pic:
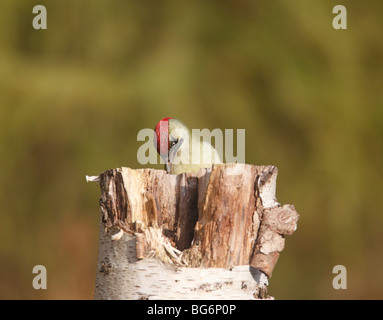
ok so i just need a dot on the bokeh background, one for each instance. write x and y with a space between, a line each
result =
73 98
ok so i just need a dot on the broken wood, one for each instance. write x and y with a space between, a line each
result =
212 235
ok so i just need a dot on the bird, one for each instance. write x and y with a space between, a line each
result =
181 151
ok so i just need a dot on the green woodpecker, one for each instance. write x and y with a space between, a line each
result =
180 150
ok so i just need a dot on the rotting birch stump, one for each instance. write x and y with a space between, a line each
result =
212 235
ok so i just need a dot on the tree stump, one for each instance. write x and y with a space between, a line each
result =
212 235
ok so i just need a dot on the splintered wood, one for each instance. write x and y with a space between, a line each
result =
212 235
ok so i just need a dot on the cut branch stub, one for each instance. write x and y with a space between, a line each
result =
282 220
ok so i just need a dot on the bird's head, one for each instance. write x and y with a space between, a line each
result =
170 135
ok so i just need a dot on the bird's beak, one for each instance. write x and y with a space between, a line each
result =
172 153
168 166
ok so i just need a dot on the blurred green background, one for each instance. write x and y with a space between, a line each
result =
73 98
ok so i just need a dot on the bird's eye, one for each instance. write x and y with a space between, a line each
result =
172 143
